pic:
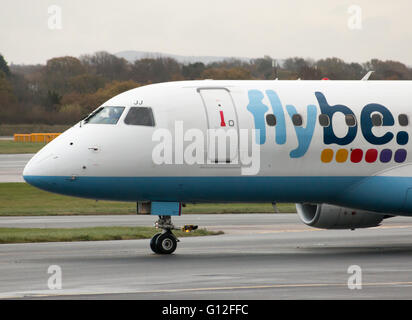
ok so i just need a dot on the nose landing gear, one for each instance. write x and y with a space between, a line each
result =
165 242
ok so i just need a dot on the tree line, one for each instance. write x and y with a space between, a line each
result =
66 89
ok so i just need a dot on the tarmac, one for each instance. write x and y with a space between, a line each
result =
260 256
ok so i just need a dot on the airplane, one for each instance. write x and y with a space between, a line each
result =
338 149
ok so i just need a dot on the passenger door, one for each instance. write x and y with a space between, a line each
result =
222 122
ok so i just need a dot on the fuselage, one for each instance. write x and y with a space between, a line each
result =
338 142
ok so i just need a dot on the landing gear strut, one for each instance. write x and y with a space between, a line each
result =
165 242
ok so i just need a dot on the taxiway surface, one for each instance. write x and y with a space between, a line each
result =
271 256
12 165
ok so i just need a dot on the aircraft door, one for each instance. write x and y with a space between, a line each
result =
222 122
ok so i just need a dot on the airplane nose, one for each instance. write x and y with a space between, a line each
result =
38 168
30 171
28 174
48 168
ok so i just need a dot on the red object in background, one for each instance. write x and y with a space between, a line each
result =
222 119
325 78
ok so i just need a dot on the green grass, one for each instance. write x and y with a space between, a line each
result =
237 208
10 147
11 129
23 199
22 235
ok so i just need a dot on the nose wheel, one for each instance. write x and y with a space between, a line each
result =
165 242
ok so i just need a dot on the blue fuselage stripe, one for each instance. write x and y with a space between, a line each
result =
372 193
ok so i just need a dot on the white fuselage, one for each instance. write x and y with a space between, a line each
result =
361 165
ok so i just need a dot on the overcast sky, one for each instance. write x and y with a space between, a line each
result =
281 29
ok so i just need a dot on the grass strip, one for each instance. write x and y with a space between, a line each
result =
21 199
25 235
11 129
11 147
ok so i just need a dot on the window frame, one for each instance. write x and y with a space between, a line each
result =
375 116
406 117
99 110
270 115
141 125
299 116
325 116
350 116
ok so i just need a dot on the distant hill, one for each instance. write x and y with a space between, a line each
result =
131 56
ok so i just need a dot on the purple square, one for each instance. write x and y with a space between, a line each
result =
400 155
386 155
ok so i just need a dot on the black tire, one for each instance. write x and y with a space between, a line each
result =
166 243
153 243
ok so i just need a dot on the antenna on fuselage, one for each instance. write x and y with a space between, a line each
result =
367 76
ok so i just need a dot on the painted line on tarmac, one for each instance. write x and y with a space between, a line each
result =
40 294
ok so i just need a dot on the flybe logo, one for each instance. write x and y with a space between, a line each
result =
372 115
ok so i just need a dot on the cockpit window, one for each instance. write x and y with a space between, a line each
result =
105 115
140 116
